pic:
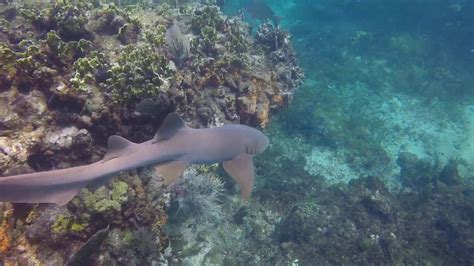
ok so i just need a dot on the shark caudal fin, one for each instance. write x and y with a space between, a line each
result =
35 188
60 186
241 169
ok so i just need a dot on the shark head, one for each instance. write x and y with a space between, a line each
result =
256 141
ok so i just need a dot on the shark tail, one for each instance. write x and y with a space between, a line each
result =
41 187
57 186
61 186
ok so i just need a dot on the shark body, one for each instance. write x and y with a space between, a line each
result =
174 147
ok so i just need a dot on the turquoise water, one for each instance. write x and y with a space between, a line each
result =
371 155
388 93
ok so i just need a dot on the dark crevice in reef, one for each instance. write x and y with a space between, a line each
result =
40 162
66 103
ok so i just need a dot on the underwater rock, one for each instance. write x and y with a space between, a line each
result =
364 222
450 174
60 148
375 198
54 223
415 173
15 151
66 138
20 109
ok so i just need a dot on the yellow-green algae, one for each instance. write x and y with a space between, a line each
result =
101 201
67 224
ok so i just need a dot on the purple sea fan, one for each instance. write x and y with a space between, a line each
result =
178 44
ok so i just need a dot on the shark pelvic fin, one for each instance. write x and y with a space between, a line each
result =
241 169
171 126
116 146
170 171
63 197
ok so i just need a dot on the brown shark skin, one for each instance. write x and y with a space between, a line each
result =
191 146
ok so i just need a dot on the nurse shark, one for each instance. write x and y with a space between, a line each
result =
173 148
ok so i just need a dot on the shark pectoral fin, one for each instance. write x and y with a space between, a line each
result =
241 169
170 171
171 126
116 147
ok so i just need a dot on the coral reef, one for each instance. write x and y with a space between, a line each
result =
71 75
194 206
74 73
381 227
146 68
305 221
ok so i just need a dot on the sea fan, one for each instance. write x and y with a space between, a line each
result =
195 202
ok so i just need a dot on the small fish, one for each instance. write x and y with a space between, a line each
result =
260 10
174 147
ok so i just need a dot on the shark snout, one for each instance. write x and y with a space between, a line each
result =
263 142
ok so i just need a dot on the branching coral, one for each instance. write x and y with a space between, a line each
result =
67 19
110 19
270 37
206 17
25 68
156 37
140 72
86 69
66 51
206 23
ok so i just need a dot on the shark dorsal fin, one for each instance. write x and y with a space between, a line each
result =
173 124
116 146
